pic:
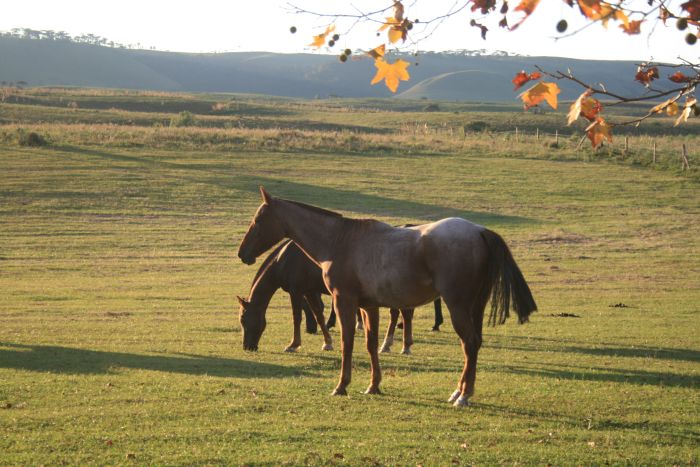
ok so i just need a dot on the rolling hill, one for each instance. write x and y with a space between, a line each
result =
463 76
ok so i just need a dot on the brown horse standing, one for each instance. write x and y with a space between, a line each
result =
368 264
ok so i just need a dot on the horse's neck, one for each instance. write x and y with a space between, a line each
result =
314 231
264 287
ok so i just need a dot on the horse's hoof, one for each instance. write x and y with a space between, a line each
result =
327 347
339 392
291 349
373 390
385 349
406 351
436 329
454 396
462 401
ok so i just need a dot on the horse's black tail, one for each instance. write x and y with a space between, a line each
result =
508 286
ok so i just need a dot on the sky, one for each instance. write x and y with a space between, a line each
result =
264 25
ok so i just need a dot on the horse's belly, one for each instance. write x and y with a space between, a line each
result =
399 292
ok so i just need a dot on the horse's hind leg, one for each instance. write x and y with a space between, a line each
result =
407 314
371 319
389 337
316 305
466 320
296 300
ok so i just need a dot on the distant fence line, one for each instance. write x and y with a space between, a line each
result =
556 139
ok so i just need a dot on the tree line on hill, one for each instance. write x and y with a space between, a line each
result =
50 35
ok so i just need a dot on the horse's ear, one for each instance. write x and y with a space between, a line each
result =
241 301
265 195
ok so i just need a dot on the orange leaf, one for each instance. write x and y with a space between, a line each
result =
521 78
632 27
589 8
598 131
679 77
320 39
540 92
527 7
483 5
586 107
377 52
397 33
391 73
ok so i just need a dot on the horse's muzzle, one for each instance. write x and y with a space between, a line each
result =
246 259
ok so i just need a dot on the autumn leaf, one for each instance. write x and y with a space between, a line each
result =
391 73
521 78
689 107
631 27
693 9
541 92
320 39
646 76
589 8
672 109
377 52
585 106
483 5
679 77
527 7
598 131
661 107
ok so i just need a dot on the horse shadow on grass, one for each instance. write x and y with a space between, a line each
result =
69 360
220 176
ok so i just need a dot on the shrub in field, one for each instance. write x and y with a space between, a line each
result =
184 118
30 138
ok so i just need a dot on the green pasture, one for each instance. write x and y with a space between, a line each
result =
119 337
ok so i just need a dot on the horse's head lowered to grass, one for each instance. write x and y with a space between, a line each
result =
264 231
253 324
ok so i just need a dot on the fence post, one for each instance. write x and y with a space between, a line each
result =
537 134
516 135
684 158
627 143
653 152
556 137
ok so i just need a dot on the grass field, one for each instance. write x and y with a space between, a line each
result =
119 338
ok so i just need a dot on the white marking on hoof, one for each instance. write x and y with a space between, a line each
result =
291 349
454 396
359 326
385 348
462 402
406 351
327 347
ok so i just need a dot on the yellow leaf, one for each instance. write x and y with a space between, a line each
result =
589 8
661 107
689 107
391 73
672 109
320 39
377 52
390 21
584 106
575 109
598 131
540 92
395 35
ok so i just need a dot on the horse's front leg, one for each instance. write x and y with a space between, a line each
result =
371 318
296 300
407 314
345 309
389 337
316 305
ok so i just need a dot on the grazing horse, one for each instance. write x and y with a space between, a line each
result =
288 268
367 264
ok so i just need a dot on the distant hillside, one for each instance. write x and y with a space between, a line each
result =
449 76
